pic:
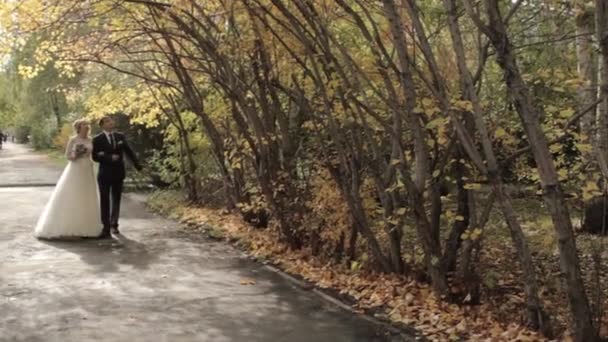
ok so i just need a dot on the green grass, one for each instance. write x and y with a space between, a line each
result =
536 224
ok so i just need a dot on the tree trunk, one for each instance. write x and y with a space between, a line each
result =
352 243
459 226
408 88
436 210
55 108
466 264
196 104
587 91
432 250
536 314
601 23
552 193
188 159
358 215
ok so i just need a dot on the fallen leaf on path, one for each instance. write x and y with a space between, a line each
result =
247 282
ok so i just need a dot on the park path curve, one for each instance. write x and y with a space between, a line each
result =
156 283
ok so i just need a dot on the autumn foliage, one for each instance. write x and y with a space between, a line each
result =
375 141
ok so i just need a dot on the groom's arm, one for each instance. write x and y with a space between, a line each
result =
98 155
131 154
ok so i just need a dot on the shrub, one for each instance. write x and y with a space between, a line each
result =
61 138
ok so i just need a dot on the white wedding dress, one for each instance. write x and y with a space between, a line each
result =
73 209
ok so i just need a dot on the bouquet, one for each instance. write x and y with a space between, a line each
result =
80 150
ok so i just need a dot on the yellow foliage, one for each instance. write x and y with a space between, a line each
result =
137 102
500 132
61 139
590 190
327 203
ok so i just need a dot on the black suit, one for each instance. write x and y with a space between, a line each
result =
111 174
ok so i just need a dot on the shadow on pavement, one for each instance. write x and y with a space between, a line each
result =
107 255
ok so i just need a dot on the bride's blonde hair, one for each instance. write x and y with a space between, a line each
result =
78 124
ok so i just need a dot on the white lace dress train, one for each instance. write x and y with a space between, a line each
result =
73 209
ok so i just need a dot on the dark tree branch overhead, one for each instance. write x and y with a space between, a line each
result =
366 113
122 71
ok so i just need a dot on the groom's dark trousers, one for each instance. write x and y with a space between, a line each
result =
111 175
110 194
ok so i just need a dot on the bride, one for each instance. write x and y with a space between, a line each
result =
73 209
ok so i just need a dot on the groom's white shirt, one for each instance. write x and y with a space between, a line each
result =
108 136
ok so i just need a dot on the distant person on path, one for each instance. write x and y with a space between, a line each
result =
109 149
73 209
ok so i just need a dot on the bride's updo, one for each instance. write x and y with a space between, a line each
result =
77 125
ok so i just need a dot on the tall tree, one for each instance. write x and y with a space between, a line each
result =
553 195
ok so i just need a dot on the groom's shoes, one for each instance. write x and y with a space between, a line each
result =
104 236
105 233
115 230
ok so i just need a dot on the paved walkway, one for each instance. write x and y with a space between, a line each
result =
19 166
156 283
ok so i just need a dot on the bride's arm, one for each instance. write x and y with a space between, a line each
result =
69 150
96 154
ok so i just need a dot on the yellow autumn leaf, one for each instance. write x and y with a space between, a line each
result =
463 105
566 113
551 109
427 102
472 186
590 190
559 89
247 282
475 234
401 211
500 132
434 123
585 148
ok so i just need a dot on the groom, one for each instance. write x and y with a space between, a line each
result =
109 148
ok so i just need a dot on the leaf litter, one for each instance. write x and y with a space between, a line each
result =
398 299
